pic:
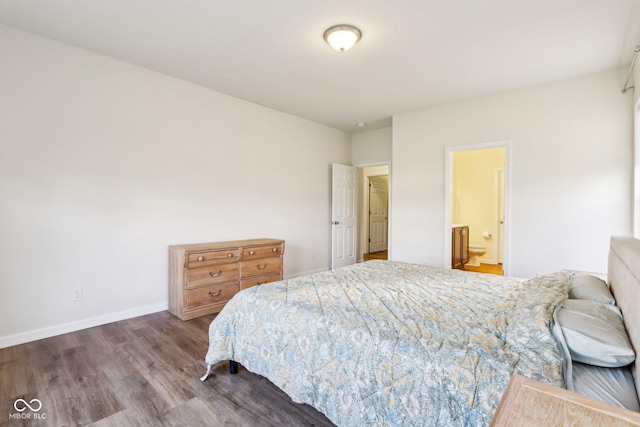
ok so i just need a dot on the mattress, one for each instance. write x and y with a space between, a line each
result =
391 343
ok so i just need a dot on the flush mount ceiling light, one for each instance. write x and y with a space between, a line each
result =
342 37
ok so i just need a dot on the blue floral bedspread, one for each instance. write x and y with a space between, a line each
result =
390 343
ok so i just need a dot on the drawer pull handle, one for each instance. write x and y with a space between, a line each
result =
212 294
200 258
274 250
212 274
252 252
230 255
261 266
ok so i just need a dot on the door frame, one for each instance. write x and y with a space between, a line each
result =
636 175
448 200
499 241
363 229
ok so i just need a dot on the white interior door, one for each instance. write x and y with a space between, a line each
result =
344 215
378 218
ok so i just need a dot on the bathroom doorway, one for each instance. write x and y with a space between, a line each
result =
476 180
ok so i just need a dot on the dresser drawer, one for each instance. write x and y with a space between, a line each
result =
259 280
203 259
259 267
262 252
209 295
203 276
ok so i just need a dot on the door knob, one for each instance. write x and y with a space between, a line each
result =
336 222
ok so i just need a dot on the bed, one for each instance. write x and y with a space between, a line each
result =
392 343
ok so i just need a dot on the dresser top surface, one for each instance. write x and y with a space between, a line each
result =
225 245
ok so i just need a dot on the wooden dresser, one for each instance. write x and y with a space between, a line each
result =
204 276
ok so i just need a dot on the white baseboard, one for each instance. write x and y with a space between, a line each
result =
52 331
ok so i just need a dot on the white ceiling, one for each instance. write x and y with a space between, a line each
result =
413 53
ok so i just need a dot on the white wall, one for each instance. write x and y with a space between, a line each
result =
104 164
571 183
372 147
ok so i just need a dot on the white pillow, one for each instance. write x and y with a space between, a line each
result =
594 333
584 286
612 385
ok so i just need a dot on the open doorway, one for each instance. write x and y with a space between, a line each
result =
477 198
374 230
378 213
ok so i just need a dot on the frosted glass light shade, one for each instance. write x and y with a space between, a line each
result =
342 37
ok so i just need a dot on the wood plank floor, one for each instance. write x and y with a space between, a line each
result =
375 255
142 371
486 268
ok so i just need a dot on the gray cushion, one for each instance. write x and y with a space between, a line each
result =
584 286
612 385
594 333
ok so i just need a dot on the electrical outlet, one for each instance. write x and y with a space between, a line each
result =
77 294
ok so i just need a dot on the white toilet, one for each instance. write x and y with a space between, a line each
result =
475 252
